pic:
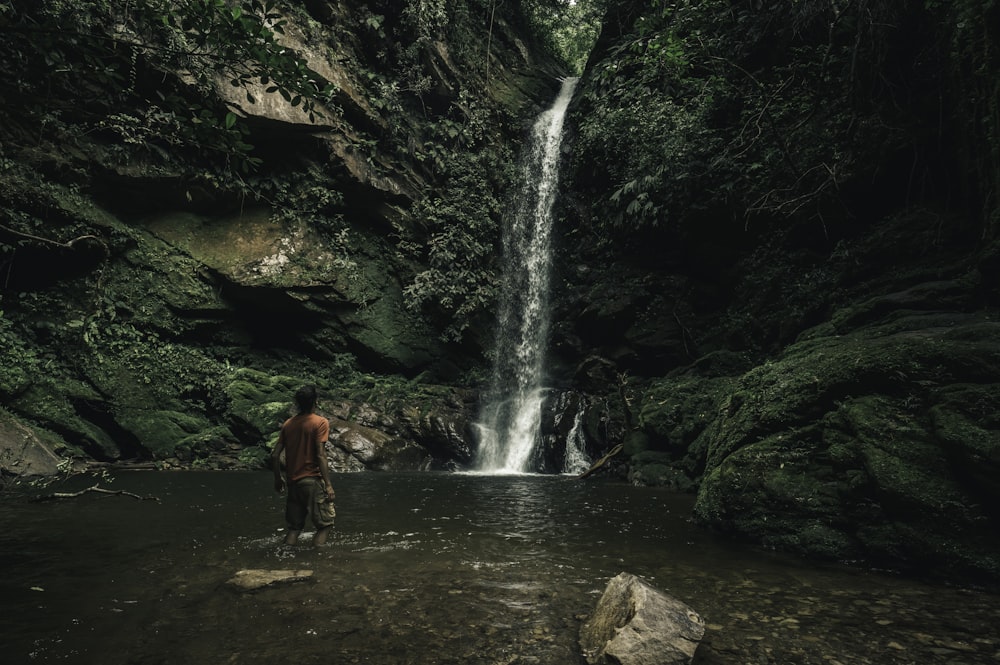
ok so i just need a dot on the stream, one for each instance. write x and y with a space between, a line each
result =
432 568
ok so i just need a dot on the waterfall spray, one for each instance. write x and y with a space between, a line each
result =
511 419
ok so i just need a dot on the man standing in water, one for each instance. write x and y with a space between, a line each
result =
303 438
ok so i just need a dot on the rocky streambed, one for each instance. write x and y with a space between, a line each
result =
435 568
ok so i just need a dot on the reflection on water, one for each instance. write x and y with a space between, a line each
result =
433 568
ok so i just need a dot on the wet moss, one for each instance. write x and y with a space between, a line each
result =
848 449
635 444
56 405
161 432
675 411
967 420
657 469
259 402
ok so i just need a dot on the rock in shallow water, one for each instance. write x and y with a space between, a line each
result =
252 579
636 624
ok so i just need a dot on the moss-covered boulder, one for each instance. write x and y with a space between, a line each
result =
259 402
166 433
355 447
73 411
879 445
674 415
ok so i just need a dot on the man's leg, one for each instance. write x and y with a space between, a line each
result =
323 514
321 534
295 513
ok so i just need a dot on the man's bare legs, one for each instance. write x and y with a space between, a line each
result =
292 537
321 534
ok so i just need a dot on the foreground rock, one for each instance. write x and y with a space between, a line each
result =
254 579
636 624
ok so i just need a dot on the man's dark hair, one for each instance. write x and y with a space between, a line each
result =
305 398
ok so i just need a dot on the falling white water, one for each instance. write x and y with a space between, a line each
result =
576 461
509 431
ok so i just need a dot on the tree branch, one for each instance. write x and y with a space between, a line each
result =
96 489
48 241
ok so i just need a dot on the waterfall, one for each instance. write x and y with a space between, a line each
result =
576 461
509 427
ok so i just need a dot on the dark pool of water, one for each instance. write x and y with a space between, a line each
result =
432 568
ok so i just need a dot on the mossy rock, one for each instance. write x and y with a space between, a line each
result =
256 457
211 443
635 443
51 403
813 538
870 479
813 376
676 410
161 432
967 423
259 402
658 469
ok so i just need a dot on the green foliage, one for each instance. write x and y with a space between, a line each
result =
568 29
462 236
656 152
427 17
974 59
458 224
773 113
255 457
162 59
18 362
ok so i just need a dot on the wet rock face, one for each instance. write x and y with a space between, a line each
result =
842 401
22 452
145 333
636 624
410 435
879 445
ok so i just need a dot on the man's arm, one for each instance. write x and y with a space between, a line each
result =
279 482
324 470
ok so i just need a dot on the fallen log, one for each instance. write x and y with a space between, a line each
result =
97 490
601 462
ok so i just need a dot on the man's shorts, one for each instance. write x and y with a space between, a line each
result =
307 496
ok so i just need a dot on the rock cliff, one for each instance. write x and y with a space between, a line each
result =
160 302
780 237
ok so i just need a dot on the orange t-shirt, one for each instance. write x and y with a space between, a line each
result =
303 436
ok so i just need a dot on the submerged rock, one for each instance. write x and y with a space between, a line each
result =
636 624
253 579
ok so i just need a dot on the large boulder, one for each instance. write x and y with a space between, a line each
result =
22 450
356 448
636 624
880 444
